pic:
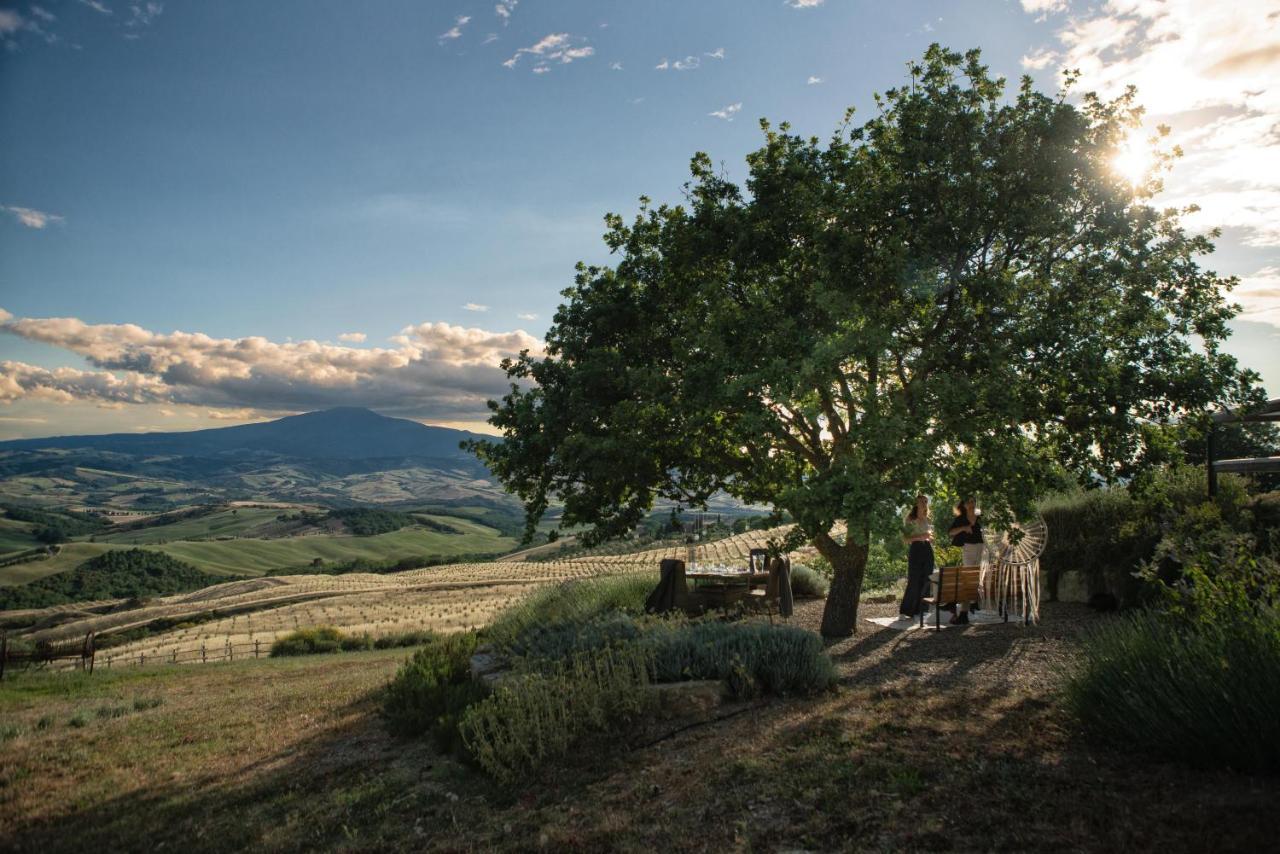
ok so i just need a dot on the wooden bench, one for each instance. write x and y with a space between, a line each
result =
954 584
45 651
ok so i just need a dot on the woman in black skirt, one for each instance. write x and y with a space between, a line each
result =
919 537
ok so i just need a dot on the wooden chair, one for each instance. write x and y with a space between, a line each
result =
955 584
766 598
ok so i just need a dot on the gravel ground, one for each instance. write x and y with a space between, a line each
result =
978 655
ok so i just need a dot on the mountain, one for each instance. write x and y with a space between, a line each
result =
343 433
336 456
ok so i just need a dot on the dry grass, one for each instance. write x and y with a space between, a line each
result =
948 741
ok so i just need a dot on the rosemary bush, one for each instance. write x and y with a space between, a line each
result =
433 689
542 714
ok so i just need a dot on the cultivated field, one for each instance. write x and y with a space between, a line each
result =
444 598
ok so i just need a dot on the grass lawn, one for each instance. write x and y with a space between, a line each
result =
950 741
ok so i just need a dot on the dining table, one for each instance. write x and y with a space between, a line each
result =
719 586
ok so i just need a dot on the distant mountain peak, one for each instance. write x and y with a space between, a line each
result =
342 432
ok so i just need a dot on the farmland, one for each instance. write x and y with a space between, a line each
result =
251 541
240 612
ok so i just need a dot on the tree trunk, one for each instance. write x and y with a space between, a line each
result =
849 565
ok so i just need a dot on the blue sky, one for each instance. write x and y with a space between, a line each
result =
262 175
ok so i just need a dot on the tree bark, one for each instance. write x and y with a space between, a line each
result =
849 565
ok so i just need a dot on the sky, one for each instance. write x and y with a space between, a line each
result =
215 211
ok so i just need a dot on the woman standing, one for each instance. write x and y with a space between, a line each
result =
919 539
966 532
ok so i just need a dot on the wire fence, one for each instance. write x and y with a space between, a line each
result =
202 655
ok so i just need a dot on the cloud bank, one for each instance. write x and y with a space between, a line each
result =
433 371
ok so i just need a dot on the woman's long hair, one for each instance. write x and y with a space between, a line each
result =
915 508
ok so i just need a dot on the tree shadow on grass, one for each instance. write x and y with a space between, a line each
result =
350 784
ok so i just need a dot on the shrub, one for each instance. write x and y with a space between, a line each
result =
433 688
541 715
308 642
571 602
351 643
1204 693
750 656
806 582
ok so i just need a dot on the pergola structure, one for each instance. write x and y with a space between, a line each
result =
1270 411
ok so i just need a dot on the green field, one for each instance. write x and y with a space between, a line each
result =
257 557
225 523
16 536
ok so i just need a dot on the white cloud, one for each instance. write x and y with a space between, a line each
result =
804 4
10 22
32 218
143 14
353 337
1038 59
689 63
503 10
553 48
527 316
1212 78
1044 7
455 32
813 81
433 369
489 39
43 14
718 53
472 306
728 112
97 6
1259 296
615 66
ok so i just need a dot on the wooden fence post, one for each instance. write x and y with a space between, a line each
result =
231 653
175 655
142 659
203 657
255 649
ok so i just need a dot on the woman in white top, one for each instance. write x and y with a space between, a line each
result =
919 537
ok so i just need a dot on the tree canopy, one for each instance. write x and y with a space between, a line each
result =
961 290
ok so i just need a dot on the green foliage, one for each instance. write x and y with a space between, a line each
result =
570 603
807 582
960 289
313 641
61 525
115 574
324 639
1204 694
752 656
542 715
433 689
368 521
1110 533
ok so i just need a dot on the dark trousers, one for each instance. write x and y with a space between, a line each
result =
919 568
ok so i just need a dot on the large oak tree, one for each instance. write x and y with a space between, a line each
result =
961 290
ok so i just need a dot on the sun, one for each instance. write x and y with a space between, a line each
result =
1133 161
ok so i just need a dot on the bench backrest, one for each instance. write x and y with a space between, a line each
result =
958 583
